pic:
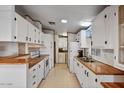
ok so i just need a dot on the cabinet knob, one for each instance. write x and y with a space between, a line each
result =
105 16
96 80
87 74
30 38
26 38
34 83
34 69
15 19
39 66
14 37
34 76
91 43
105 42
77 64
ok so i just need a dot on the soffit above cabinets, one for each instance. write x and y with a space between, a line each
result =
55 13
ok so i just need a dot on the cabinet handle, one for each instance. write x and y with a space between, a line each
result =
26 38
105 42
105 16
34 83
34 69
77 64
34 76
14 37
96 80
30 38
114 14
15 19
91 43
82 66
87 74
114 57
39 66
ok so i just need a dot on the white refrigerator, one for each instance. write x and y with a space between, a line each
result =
72 52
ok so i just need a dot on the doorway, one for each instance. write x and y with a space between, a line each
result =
61 49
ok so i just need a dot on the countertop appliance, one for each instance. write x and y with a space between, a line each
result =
80 53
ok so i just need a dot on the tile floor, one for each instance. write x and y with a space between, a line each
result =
60 77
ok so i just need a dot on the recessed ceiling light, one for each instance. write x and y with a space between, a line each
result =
64 21
85 24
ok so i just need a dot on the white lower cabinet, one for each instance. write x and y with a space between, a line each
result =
40 72
89 79
13 75
32 77
36 75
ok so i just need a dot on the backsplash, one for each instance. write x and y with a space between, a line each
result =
104 55
8 49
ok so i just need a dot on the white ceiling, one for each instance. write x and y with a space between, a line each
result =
73 13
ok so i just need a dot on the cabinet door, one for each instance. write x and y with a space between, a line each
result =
21 28
40 72
98 30
32 77
111 26
83 40
7 23
31 33
38 36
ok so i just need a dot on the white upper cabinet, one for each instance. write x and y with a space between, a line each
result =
7 23
103 28
14 28
98 30
83 39
111 26
21 28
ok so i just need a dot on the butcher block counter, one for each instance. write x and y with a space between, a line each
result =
21 59
100 68
112 84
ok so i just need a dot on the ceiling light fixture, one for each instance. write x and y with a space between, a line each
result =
64 21
85 24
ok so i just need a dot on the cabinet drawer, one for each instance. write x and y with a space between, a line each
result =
33 70
34 83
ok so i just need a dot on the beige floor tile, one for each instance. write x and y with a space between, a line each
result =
60 77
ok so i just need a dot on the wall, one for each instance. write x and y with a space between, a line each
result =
8 49
57 47
62 43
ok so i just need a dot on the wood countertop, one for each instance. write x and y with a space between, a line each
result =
24 60
112 84
100 68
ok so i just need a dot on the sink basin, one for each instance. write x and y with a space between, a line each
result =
85 59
